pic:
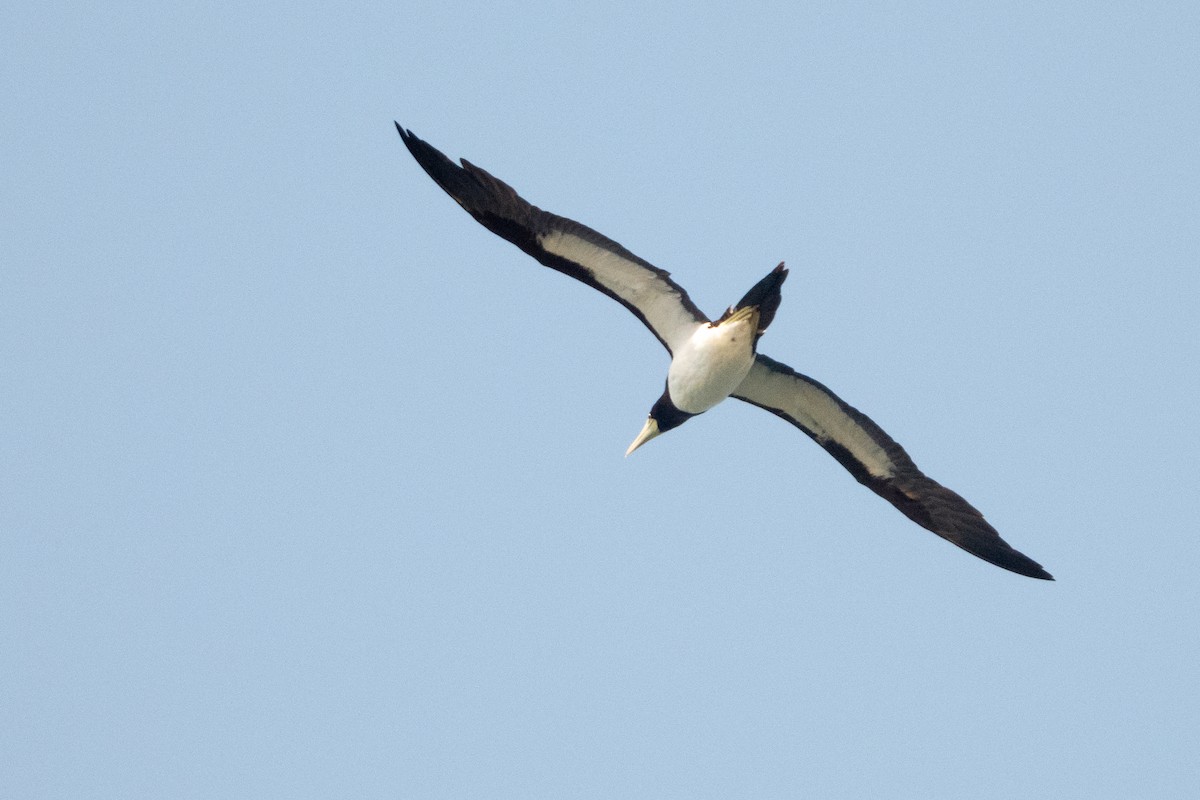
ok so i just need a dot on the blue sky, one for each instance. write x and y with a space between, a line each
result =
312 487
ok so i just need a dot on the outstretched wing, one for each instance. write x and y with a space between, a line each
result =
878 462
565 245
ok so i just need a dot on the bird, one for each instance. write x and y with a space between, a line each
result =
712 360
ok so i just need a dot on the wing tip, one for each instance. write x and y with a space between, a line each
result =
1017 562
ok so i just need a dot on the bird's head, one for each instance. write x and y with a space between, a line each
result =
664 415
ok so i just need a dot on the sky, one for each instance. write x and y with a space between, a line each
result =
312 487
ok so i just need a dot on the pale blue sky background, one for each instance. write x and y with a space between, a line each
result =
312 487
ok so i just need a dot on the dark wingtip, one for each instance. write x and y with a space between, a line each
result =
444 172
1021 564
1024 565
996 551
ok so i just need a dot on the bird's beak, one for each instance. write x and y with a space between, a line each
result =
649 431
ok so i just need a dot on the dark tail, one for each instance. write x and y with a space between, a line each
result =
766 295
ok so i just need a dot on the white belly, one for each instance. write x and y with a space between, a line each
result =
712 363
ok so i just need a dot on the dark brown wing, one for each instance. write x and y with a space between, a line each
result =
878 462
565 245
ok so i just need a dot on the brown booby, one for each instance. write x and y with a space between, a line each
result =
712 360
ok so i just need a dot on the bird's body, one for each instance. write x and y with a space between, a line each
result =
714 360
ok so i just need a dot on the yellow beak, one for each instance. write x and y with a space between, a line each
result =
649 431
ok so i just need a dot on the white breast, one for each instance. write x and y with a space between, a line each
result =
712 363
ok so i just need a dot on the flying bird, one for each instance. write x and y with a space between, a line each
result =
715 359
